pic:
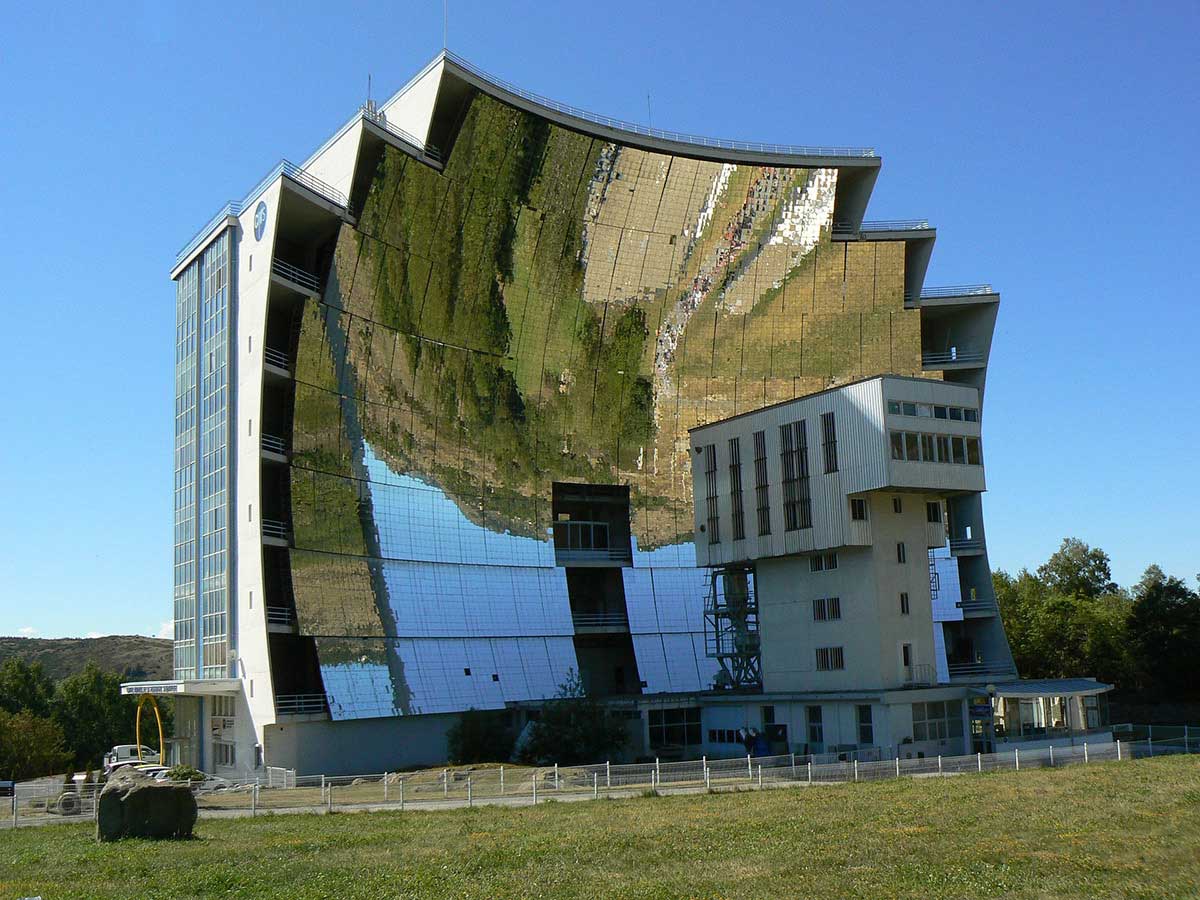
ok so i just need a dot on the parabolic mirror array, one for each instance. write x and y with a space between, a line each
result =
551 307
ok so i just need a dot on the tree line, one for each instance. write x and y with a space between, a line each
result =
48 727
1068 619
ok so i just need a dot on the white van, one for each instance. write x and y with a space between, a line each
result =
126 754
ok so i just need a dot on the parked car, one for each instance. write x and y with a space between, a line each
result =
125 754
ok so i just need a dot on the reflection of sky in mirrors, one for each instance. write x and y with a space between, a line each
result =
468 599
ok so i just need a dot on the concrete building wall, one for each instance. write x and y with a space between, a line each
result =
359 746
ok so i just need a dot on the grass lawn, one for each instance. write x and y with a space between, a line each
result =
1128 829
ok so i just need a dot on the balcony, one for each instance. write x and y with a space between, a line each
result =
380 120
585 542
301 705
954 358
978 670
978 606
848 231
274 448
295 278
966 546
600 622
275 533
920 676
281 618
277 362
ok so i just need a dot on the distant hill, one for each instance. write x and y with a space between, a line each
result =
129 655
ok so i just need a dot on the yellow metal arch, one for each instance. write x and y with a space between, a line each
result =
162 744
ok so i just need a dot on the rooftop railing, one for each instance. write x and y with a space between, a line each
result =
951 356
699 140
380 120
978 668
956 290
964 545
896 225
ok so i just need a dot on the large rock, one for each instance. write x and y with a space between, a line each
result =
134 805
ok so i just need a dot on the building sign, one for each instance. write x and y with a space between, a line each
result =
260 220
173 687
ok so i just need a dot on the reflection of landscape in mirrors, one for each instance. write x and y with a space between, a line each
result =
549 308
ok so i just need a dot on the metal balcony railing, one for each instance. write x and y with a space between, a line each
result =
849 152
977 604
956 290
580 540
965 545
273 444
600 620
951 356
921 675
273 528
978 668
276 358
295 275
380 120
281 615
300 704
849 229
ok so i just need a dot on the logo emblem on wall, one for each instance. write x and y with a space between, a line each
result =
260 220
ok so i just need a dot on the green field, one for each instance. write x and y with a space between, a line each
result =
1106 830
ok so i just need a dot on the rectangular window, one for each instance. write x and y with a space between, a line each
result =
893 407
735 489
816 563
937 721
933 511
897 506
960 452
710 486
768 715
927 453
224 755
830 659
897 444
761 495
904 603
939 412
973 452
901 556
827 609
675 727
819 611
956 414
858 509
910 409
866 730
924 410
829 441
971 415
789 437
943 448
912 446
816 730
830 561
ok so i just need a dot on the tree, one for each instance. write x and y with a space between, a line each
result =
30 746
573 729
1165 630
25 686
1077 570
93 715
480 735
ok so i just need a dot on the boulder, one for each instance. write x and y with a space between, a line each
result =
134 805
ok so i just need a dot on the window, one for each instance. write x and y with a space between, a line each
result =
906 655
937 721
910 409
927 454
904 603
816 563
830 659
901 556
943 448
816 730
723 736
675 727
224 755
710 486
797 502
933 511
897 506
912 446
466 671
971 415
894 407
858 509
960 453
223 706
866 730
956 413
939 412
897 444
768 715
735 489
827 609
829 441
973 451
830 561
924 410
761 496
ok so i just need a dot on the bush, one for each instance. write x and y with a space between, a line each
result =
30 746
481 735
574 729
184 773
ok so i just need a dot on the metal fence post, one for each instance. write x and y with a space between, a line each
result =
810 771
1085 753
979 761
402 793
1118 749
1017 758
760 776
502 781
535 778
329 799
749 768
1052 756
595 785
556 776
14 825
657 771
856 770
939 764
707 782
445 783
322 787
793 767
608 775
470 798
254 800
385 787
897 767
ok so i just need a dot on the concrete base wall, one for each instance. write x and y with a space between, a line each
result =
359 746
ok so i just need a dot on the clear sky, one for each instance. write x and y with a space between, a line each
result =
1052 145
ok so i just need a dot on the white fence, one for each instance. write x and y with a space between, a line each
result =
282 791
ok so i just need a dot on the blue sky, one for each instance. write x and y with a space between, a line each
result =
1051 144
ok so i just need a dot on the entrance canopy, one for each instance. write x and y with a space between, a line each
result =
196 688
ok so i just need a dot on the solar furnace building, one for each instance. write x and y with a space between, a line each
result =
433 394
